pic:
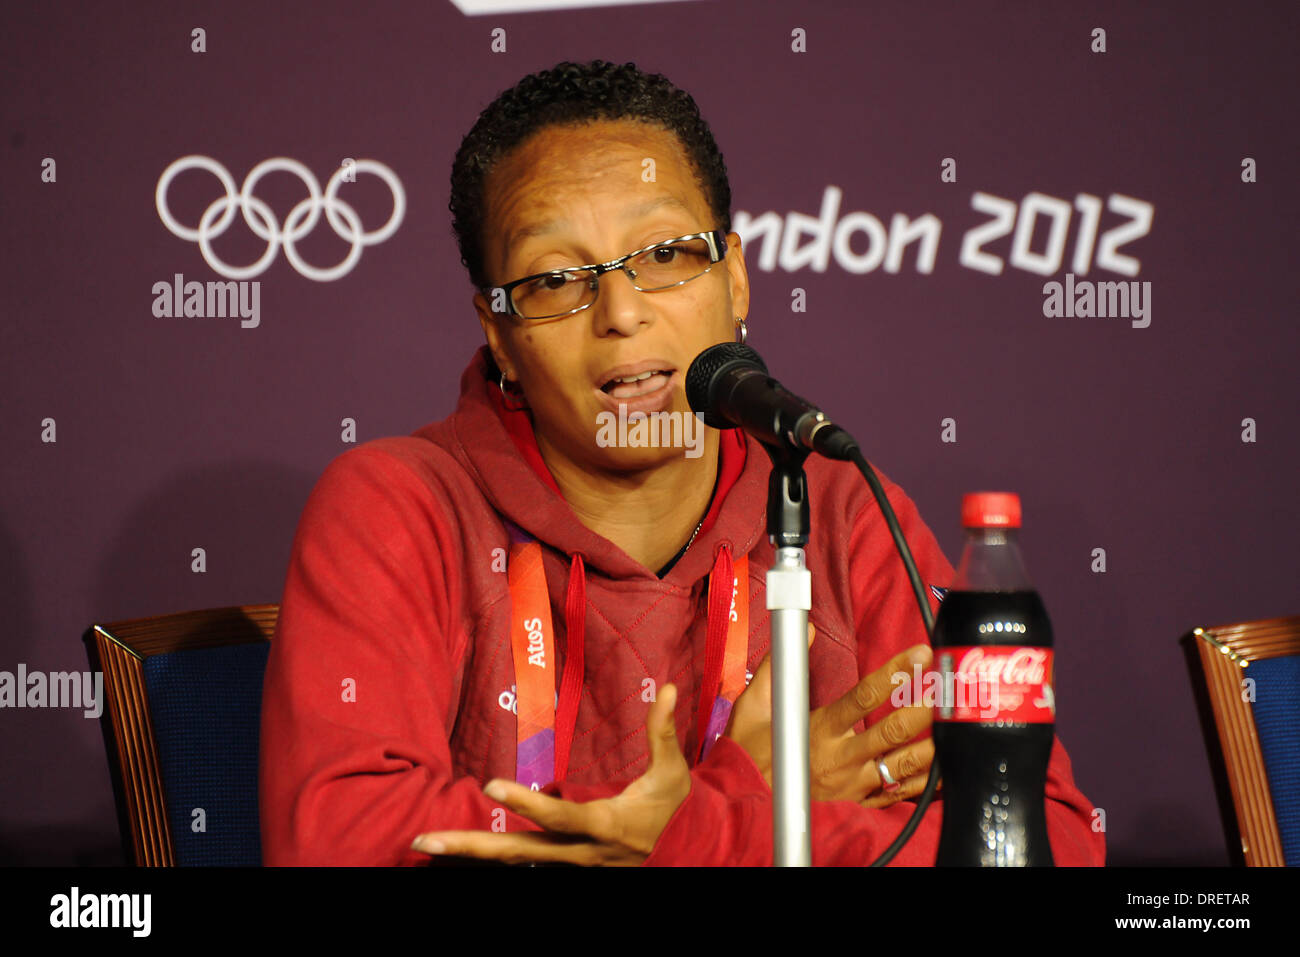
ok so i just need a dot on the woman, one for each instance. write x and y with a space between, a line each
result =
523 597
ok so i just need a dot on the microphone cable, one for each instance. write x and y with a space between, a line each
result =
905 553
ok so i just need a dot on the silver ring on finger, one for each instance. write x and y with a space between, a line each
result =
888 785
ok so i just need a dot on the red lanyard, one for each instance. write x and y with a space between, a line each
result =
735 646
532 641
541 742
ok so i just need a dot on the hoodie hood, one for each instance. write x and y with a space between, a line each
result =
497 448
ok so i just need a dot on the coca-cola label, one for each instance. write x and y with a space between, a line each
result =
985 683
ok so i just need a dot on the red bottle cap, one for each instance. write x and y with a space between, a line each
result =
990 510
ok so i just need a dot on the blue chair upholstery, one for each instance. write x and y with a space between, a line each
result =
206 707
1277 722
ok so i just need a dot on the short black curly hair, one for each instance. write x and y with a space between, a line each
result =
575 93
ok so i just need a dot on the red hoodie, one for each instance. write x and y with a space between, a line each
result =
386 700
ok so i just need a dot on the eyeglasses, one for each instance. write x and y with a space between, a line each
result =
562 292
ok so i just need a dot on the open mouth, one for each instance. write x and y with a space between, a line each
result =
637 384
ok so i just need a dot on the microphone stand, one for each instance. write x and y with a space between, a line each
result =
789 599
725 386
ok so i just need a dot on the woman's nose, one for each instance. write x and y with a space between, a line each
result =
619 306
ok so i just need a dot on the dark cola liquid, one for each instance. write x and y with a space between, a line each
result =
993 776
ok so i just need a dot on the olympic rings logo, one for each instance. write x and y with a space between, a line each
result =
302 219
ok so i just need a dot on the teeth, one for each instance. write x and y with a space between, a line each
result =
636 378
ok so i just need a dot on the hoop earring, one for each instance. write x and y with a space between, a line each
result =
742 330
512 404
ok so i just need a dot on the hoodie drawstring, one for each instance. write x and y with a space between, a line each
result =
725 653
575 627
715 647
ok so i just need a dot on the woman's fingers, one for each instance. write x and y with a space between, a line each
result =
893 731
909 766
909 790
902 763
873 690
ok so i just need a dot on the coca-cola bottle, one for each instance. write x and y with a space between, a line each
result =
995 713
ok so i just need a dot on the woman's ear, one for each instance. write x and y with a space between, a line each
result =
737 276
491 323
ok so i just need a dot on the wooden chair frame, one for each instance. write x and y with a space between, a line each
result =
119 649
1219 659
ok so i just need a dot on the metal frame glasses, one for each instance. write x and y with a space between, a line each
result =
716 240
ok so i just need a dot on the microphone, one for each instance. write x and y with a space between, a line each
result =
727 385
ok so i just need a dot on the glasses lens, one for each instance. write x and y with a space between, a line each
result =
555 295
669 265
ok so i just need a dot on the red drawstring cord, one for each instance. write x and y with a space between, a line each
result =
575 623
721 580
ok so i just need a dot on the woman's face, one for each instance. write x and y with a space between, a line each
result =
575 195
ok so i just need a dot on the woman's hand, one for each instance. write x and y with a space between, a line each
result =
620 830
844 764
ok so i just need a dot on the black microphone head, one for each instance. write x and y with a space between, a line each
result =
706 372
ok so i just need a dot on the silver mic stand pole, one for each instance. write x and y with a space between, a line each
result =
789 599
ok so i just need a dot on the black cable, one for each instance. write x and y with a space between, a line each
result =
905 553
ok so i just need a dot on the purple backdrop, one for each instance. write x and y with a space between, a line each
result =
1122 434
